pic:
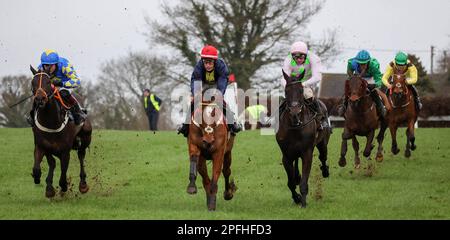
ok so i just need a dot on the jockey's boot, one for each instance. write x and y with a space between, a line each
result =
381 110
183 129
78 114
233 127
416 97
343 106
323 122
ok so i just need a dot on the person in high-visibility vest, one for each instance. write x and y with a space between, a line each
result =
255 112
152 105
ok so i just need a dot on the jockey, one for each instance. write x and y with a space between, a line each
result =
402 65
306 66
62 75
211 72
369 69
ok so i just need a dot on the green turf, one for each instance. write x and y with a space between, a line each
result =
139 175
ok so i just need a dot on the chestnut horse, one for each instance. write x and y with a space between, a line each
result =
403 112
361 119
209 139
55 135
297 137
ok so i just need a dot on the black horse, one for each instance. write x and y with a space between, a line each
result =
55 135
297 136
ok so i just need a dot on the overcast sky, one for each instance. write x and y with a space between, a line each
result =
89 32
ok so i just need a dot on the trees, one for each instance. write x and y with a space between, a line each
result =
250 34
13 89
118 94
423 83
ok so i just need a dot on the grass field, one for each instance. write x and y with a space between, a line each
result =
140 175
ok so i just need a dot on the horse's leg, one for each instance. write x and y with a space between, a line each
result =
409 136
192 188
323 153
194 156
380 139
83 187
203 171
412 138
369 145
355 144
306 170
216 169
230 188
297 176
342 160
65 157
85 140
394 148
49 190
292 185
38 155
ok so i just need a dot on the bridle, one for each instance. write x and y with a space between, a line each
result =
40 89
295 120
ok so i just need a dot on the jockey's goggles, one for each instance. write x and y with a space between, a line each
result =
208 61
299 56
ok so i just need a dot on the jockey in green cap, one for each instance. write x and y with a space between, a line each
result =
402 65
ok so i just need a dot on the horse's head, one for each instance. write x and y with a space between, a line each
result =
355 88
399 87
41 87
208 118
294 94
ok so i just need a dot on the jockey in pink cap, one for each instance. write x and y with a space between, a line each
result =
307 67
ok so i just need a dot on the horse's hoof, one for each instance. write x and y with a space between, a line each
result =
84 188
303 204
366 154
407 153
413 147
191 190
227 195
50 192
211 209
37 181
357 166
325 171
395 151
379 158
342 162
63 188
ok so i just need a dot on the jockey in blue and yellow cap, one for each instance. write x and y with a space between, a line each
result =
63 75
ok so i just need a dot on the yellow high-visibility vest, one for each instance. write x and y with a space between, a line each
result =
154 102
256 110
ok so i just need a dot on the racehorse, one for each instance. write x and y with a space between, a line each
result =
297 136
361 119
55 135
209 139
403 111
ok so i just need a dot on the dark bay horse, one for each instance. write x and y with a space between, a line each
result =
209 139
55 135
361 119
403 112
297 137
